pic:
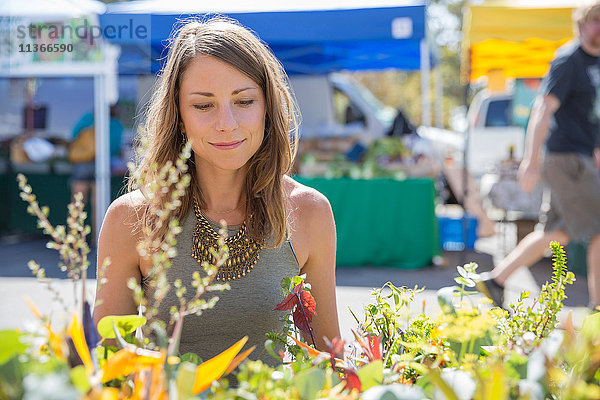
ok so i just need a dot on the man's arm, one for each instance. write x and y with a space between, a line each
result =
537 132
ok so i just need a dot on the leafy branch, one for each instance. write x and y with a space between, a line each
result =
541 317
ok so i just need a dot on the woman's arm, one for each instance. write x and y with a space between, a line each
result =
315 218
117 241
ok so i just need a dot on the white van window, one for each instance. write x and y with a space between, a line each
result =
499 113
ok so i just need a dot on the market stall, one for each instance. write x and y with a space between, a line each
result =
51 190
309 37
313 38
517 38
99 63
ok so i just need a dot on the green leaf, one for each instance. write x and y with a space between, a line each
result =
125 324
270 348
516 365
285 283
371 374
309 382
10 345
191 358
186 374
11 379
591 325
297 280
47 366
464 281
79 379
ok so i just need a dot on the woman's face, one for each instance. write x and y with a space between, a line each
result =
223 113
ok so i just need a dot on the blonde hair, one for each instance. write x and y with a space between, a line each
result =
227 40
583 14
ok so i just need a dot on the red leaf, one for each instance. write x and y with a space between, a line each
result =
352 380
304 306
288 303
375 347
336 347
302 322
308 302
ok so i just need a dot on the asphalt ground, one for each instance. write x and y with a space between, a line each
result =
354 284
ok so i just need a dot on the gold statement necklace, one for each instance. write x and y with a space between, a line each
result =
243 250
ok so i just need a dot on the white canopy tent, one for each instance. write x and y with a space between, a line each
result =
15 64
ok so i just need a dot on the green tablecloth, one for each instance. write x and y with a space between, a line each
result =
382 222
52 190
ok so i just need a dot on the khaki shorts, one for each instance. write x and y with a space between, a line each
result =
574 183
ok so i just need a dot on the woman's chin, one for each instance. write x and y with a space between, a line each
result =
227 165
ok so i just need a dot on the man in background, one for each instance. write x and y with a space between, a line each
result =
565 121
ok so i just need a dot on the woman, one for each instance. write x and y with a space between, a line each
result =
226 93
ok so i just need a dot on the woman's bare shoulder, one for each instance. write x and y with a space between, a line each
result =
307 202
125 211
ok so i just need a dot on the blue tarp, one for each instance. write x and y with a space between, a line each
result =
306 41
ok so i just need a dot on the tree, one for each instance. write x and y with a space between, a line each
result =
401 89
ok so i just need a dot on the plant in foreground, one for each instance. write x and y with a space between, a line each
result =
467 352
73 358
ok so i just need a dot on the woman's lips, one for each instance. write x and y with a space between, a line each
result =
228 145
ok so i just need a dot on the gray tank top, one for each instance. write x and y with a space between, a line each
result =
245 309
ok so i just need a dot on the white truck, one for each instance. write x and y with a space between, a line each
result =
335 105
491 136
495 147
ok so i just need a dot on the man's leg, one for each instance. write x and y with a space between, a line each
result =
593 272
529 251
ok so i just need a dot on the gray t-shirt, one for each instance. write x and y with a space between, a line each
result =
245 309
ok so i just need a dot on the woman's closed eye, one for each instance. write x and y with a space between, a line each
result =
242 103
202 106
246 103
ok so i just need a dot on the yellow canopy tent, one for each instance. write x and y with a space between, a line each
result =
514 38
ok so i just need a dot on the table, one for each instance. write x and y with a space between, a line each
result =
52 190
382 222
379 222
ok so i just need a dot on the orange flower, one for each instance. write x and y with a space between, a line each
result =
213 369
76 333
129 360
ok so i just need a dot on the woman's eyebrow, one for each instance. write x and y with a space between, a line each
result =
237 91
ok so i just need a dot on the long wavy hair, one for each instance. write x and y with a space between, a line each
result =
227 40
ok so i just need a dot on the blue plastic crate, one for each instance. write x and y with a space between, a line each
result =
451 233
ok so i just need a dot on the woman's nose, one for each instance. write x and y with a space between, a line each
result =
226 120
